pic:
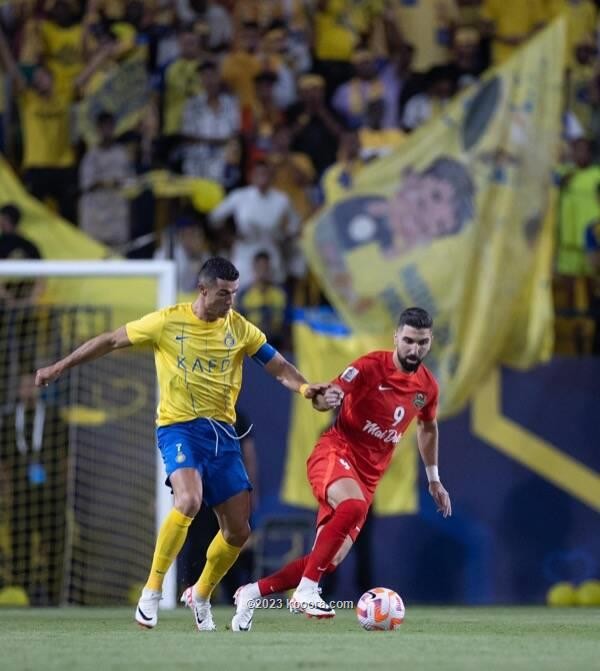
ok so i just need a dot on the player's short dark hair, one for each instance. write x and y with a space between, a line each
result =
217 268
415 317
11 212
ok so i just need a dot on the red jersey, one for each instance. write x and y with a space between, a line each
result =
379 403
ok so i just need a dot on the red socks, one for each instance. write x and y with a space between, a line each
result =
286 578
350 514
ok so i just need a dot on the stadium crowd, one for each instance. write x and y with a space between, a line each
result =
184 128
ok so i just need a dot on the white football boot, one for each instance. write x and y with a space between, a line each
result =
201 609
311 603
244 607
146 613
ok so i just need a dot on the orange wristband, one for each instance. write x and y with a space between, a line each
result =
303 388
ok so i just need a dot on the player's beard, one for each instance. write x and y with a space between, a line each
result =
409 366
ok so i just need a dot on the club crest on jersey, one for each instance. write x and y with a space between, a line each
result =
419 400
229 340
349 374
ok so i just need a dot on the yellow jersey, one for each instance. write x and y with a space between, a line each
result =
63 52
512 18
428 25
198 363
335 36
46 130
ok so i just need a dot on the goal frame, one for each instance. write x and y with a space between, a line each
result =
166 294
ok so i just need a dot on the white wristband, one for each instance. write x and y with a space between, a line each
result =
432 473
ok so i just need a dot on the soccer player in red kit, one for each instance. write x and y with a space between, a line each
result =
379 395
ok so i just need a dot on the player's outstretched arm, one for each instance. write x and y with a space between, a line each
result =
427 440
90 350
291 378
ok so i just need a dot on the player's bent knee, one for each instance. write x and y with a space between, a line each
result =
355 510
237 537
188 503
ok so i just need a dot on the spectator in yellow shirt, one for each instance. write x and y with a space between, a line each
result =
240 66
428 25
48 156
336 35
58 41
510 23
181 81
265 302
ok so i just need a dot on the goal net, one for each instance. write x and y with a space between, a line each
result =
78 464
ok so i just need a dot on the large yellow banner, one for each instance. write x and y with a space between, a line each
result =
457 222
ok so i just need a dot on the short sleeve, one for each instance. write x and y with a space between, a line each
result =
254 339
429 411
146 329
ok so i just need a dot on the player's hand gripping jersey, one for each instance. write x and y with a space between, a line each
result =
379 403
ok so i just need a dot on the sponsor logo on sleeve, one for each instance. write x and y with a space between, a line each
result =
349 374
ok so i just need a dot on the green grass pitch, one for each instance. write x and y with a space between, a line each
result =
481 639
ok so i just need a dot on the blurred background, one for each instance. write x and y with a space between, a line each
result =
352 158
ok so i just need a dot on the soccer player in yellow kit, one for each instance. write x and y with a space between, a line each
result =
199 349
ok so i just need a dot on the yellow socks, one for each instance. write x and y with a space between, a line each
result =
171 538
220 557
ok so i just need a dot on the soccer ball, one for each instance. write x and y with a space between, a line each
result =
380 609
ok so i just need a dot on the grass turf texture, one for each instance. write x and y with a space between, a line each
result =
431 638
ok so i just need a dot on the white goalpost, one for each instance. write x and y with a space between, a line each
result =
31 336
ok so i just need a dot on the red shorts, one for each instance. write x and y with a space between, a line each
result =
329 462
